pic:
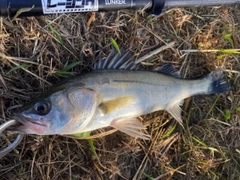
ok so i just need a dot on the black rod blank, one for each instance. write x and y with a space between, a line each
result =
41 7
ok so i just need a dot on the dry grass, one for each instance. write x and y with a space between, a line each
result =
208 147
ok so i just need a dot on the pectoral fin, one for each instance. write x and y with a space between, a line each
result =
130 126
175 111
114 104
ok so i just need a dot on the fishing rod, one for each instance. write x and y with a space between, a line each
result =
41 7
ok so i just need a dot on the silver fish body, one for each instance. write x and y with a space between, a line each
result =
148 92
114 98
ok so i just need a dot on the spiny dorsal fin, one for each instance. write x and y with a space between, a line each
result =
116 60
168 69
123 61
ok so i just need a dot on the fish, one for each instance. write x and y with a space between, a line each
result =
114 94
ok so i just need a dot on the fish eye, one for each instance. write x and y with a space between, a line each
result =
42 107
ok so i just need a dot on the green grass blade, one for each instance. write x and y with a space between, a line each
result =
22 66
199 142
59 39
227 114
169 132
22 10
84 134
238 108
90 142
115 45
64 71
214 174
70 66
229 51
213 105
228 37
148 176
204 146
57 35
213 149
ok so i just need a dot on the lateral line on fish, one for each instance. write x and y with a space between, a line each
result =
130 81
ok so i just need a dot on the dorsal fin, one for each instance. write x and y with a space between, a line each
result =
116 60
168 69
123 61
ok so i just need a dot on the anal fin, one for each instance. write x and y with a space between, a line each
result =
175 111
130 126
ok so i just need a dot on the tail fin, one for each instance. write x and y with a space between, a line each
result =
218 85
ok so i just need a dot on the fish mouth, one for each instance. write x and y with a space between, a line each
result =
25 125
